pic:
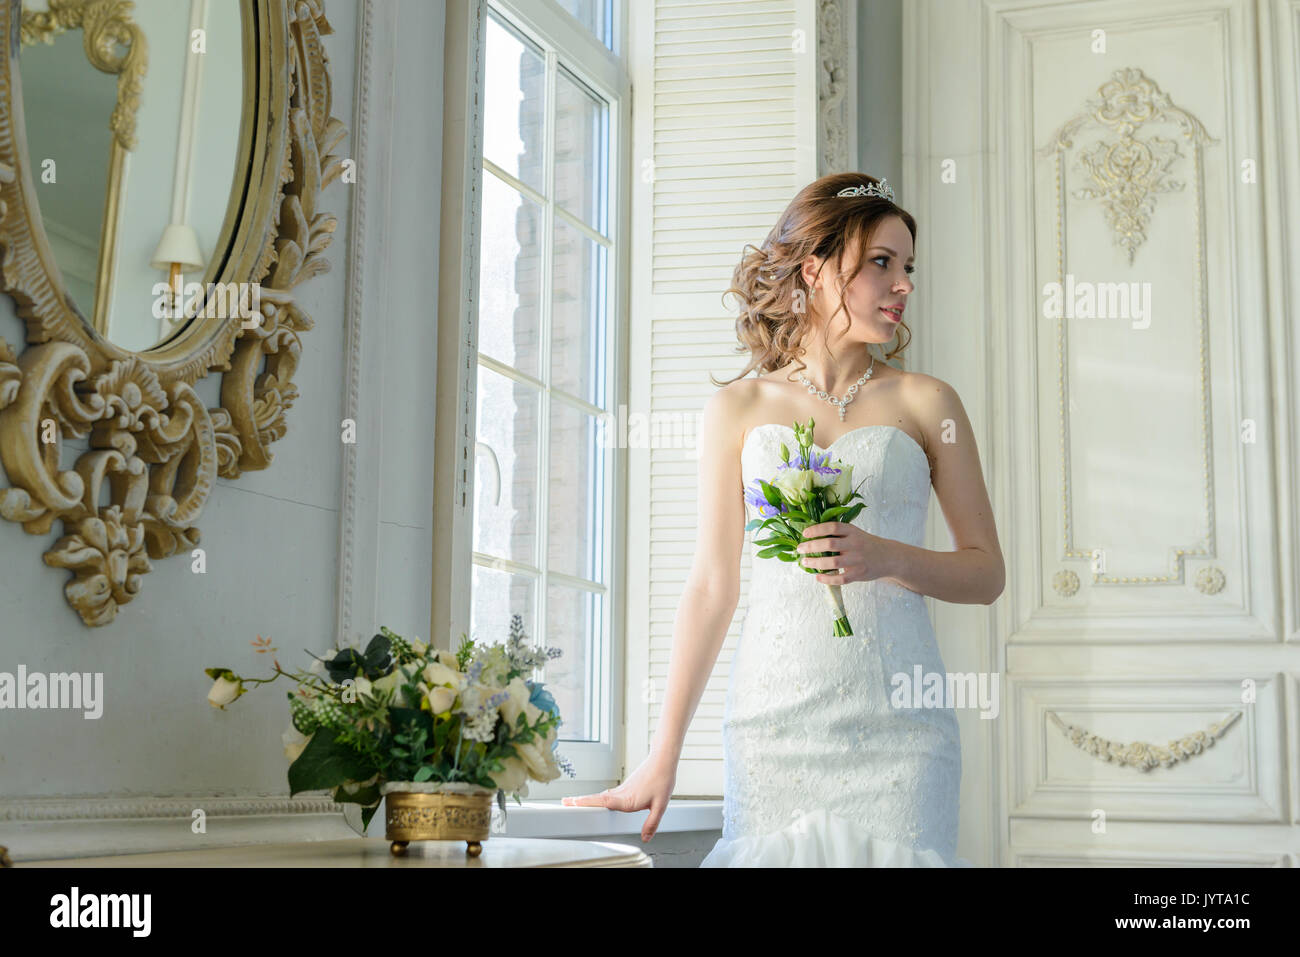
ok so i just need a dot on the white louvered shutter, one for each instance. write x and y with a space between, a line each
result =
724 123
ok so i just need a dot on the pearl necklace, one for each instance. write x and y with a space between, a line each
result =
848 396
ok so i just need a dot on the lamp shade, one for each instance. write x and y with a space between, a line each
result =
179 244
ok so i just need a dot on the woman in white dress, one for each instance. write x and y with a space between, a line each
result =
825 762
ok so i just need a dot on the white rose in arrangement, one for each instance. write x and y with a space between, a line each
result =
513 777
388 684
224 691
418 646
449 659
294 742
794 483
436 673
440 698
518 702
843 484
362 686
539 758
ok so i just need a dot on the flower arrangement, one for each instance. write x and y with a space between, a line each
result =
401 711
809 490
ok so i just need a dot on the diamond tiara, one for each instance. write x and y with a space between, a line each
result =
884 190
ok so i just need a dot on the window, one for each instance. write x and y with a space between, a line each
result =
597 16
544 520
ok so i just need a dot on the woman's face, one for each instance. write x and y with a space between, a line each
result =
878 294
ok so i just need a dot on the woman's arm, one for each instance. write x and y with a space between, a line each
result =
974 573
712 590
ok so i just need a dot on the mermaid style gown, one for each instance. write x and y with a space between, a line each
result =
820 769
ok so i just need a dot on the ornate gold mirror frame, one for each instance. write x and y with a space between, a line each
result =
154 450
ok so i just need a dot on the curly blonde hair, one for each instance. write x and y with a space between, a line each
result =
769 279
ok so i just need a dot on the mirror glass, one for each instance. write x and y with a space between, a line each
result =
133 128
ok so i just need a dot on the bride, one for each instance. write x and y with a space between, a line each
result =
824 763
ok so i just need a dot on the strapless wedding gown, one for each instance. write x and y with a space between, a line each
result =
819 768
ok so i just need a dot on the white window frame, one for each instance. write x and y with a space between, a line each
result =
585 57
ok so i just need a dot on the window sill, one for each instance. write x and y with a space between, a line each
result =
550 818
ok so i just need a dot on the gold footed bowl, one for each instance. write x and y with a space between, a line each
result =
438 816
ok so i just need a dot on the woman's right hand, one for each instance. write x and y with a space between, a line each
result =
649 786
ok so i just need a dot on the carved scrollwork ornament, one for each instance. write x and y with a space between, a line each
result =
154 450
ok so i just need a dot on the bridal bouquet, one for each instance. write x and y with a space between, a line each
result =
809 490
403 711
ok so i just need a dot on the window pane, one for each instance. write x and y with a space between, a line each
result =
595 15
510 277
578 317
505 470
496 596
581 152
514 93
574 623
576 511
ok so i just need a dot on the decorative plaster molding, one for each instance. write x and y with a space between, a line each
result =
1122 106
1140 754
352 336
835 98
1210 580
1065 582
106 809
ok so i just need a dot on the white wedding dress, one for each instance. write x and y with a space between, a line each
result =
820 769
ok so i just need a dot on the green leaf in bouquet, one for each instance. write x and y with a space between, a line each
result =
835 511
770 552
770 493
752 524
366 796
853 512
377 660
787 557
326 763
424 773
346 664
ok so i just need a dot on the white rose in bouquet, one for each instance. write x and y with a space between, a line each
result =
514 777
449 659
843 484
294 742
440 698
224 691
539 758
518 703
794 483
389 683
436 673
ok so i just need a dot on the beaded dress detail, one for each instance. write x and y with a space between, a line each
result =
820 769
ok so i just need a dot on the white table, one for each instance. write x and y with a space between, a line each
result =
374 852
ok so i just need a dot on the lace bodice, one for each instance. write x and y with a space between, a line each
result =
811 740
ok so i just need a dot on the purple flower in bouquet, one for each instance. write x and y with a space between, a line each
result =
754 496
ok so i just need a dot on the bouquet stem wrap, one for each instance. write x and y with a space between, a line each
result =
836 599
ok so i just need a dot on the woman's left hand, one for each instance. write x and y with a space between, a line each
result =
860 556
